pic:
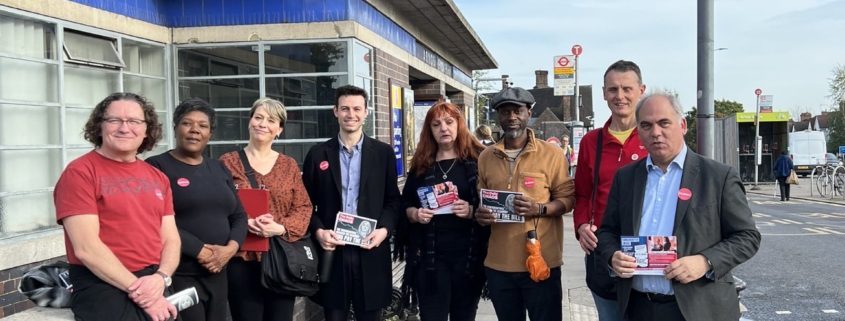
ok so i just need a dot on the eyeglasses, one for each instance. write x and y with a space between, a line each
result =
133 123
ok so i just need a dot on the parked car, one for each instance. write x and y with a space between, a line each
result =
832 160
807 149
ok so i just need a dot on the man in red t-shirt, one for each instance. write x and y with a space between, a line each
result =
117 211
621 146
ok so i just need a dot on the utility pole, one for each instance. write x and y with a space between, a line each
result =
706 108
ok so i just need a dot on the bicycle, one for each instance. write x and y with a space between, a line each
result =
830 181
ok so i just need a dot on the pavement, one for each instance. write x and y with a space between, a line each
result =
577 301
805 190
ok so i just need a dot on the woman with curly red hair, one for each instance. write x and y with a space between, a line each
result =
445 252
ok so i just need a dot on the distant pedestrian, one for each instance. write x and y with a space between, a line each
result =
782 168
484 135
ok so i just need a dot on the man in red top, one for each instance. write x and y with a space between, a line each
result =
621 146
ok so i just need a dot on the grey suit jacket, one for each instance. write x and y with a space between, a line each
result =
715 222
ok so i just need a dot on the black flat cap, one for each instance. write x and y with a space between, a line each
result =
512 95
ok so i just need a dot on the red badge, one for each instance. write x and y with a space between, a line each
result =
324 165
684 194
158 193
184 182
529 182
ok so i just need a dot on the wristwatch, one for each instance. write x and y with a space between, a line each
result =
167 280
542 209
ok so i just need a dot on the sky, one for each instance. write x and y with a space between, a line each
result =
787 48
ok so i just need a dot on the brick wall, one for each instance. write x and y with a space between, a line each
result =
305 310
387 69
429 87
12 301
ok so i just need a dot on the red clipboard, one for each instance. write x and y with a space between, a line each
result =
256 202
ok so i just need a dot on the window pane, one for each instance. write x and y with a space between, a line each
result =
231 125
219 61
75 120
153 89
26 213
17 124
306 58
369 124
76 153
84 86
27 38
85 48
28 81
296 151
22 170
305 91
363 56
307 124
222 93
143 58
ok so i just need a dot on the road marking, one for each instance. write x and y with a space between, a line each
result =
825 229
820 215
816 231
783 312
764 224
830 311
787 222
760 215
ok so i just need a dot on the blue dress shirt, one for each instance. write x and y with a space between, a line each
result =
350 173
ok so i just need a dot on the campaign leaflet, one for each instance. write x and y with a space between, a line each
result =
438 198
501 203
184 299
653 253
353 229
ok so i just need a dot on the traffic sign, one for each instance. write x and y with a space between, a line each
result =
562 62
842 150
554 140
758 92
576 50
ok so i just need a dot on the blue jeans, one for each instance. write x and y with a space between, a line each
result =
608 310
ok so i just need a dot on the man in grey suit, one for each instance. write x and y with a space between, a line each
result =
677 192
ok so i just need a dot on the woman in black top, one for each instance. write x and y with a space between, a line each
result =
212 223
445 252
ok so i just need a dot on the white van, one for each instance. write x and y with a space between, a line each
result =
807 149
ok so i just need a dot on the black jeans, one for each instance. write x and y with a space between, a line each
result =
514 292
249 301
355 273
213 291
784 187
455 298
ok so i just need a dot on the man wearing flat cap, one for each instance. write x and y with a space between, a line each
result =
521 163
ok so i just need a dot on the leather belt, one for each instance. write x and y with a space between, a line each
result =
655 297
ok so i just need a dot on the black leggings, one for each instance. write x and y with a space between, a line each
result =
249 301
455 299
784 187
212 291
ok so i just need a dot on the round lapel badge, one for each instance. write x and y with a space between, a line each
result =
184 182
635 157
684 194
324 165
529 182
159 194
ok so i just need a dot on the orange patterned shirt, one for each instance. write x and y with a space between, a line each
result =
289 202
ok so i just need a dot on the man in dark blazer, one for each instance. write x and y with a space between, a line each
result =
355 174
705 208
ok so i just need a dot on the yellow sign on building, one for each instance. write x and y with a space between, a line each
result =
778 116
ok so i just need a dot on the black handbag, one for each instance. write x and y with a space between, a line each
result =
598 275
287 268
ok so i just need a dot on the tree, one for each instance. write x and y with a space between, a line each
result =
837 85
480 100
836 126
724 108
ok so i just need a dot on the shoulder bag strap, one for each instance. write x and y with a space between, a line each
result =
596 174
250 174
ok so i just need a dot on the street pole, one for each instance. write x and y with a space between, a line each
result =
577 94
757 139
706 108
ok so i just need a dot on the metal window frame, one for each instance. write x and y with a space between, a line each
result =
114 43
371 109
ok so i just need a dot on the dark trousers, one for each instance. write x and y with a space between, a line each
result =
249 301
455 297
213 291
353 272
642 308
514 292
784 188
93 299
